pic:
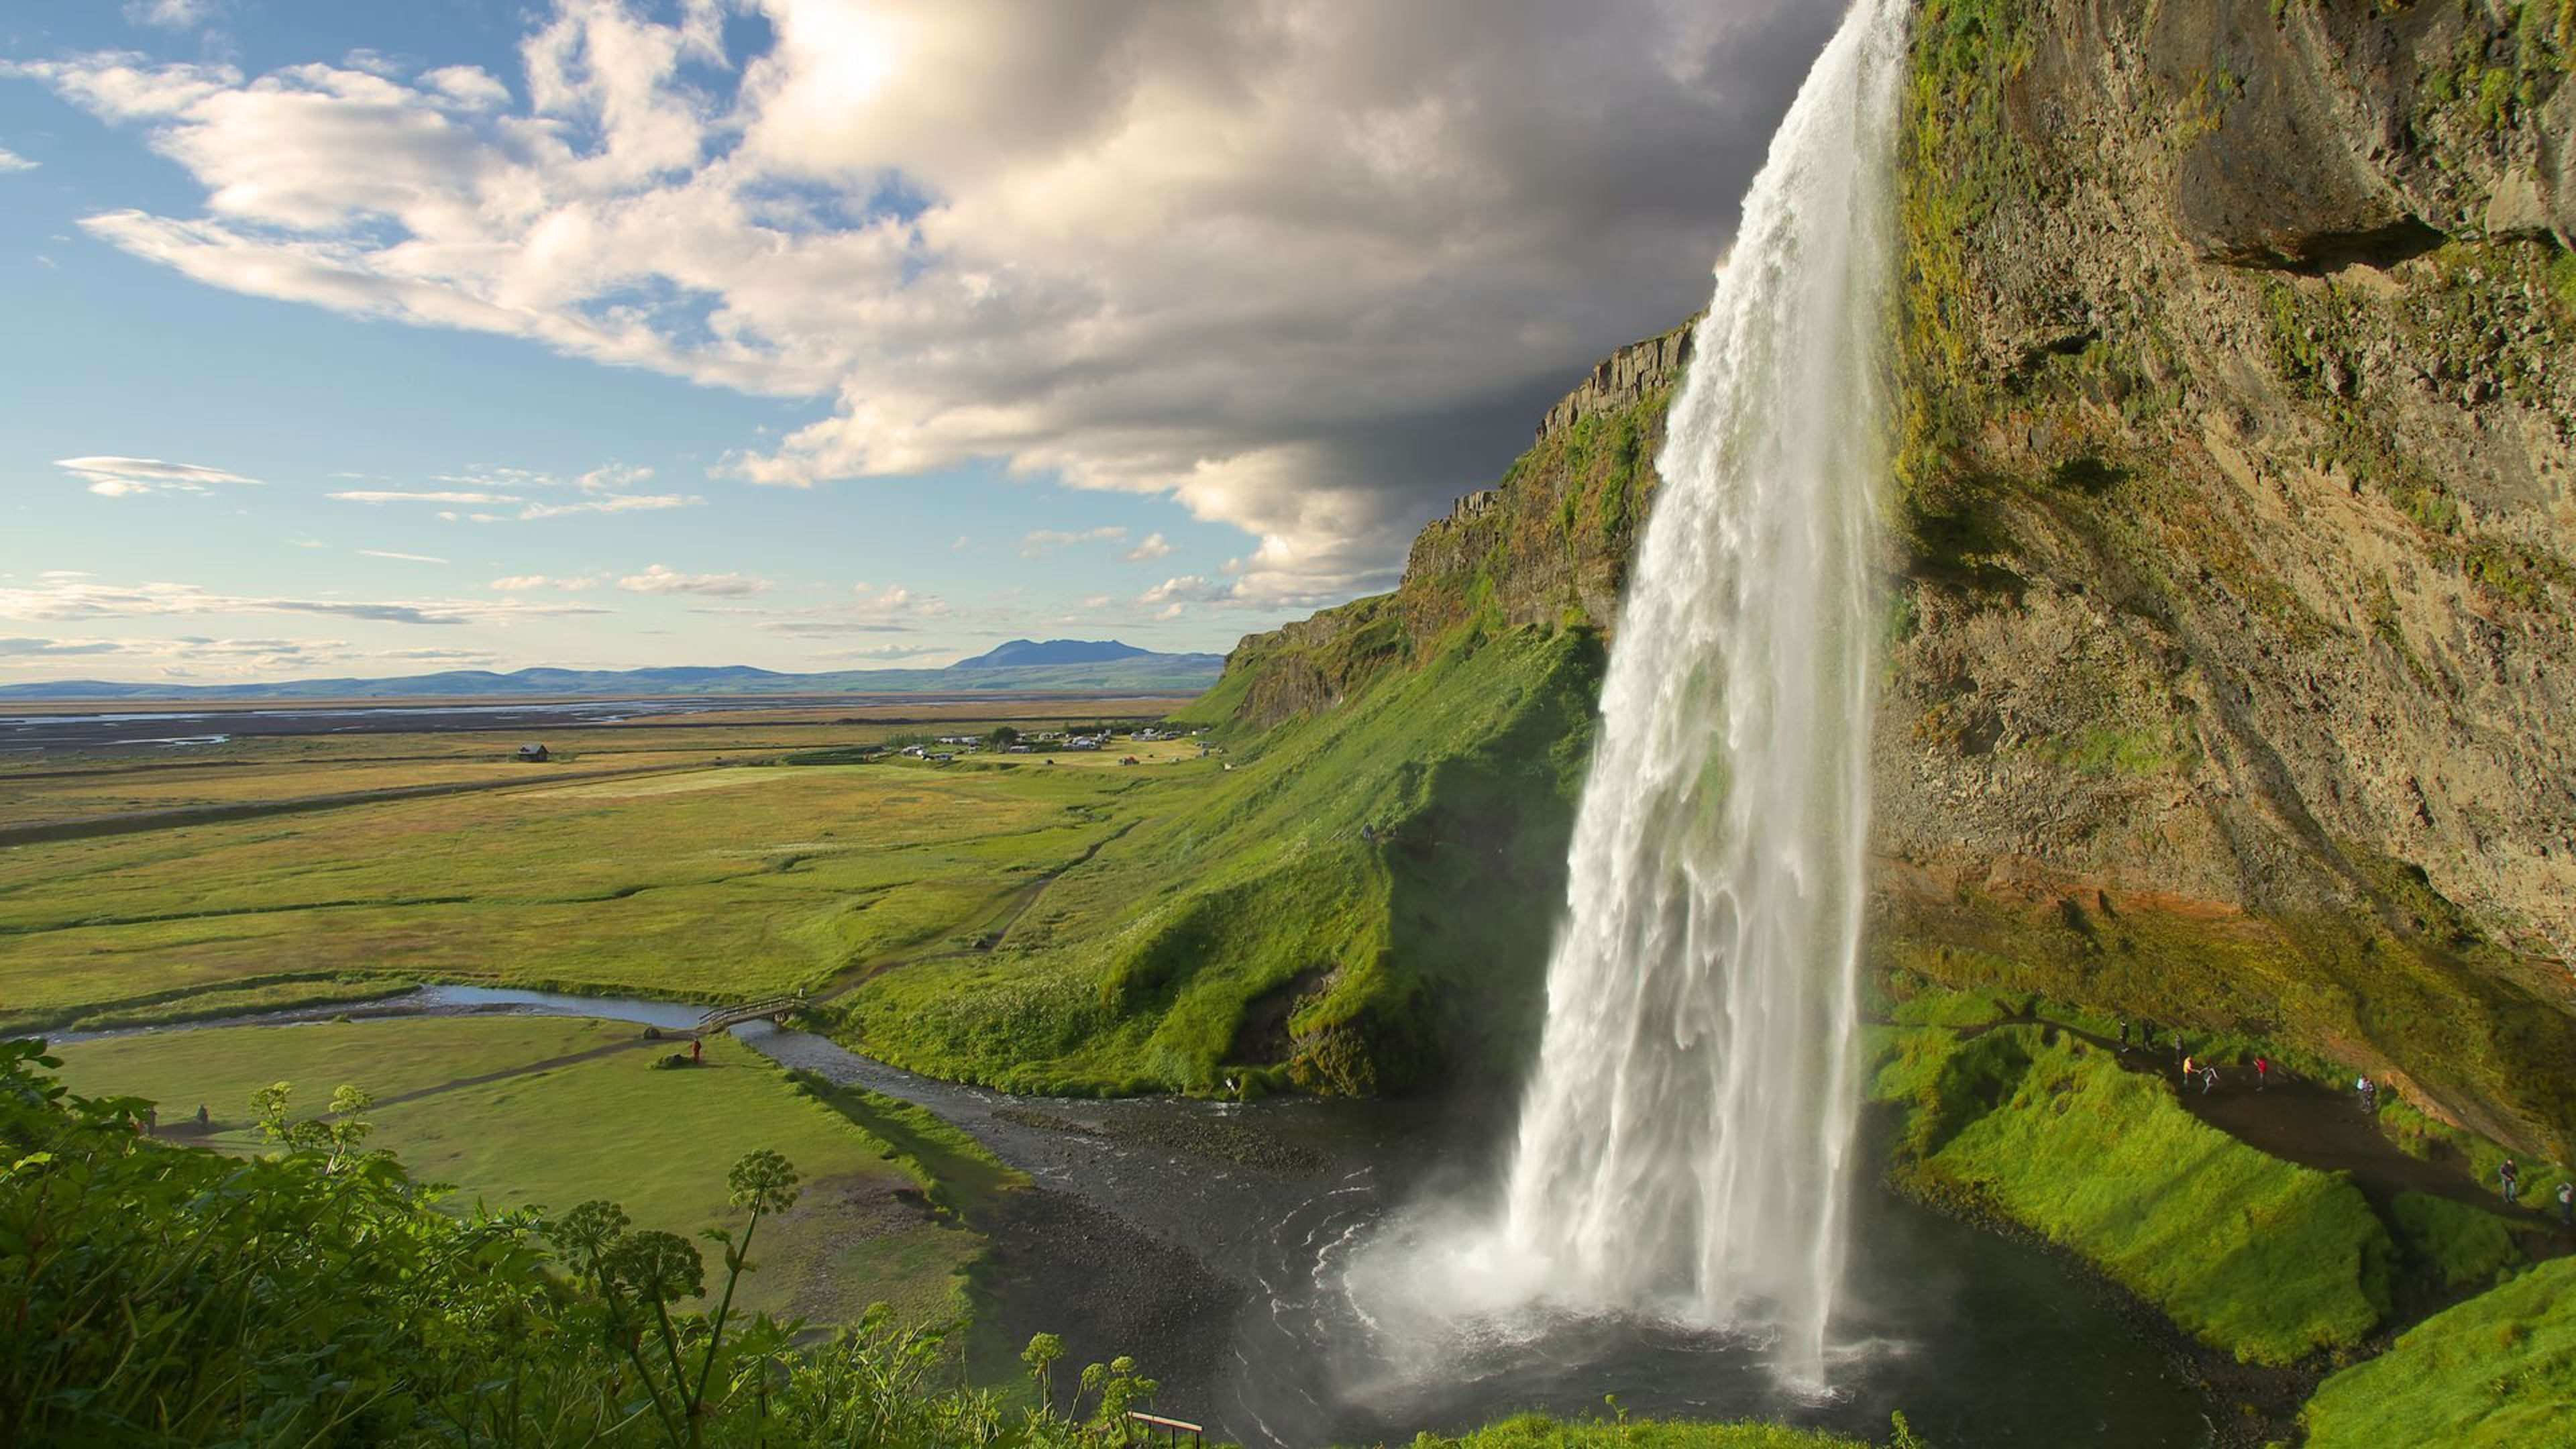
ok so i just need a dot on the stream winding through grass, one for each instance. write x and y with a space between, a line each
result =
1210 1240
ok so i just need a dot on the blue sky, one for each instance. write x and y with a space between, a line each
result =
811 334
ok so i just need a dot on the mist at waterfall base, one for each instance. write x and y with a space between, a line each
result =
1682 1155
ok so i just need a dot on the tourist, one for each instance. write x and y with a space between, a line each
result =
2262 1072
2186 1071
696 1047
2369 1095
2124 1033
2208 1079
2567 1203
2509 1178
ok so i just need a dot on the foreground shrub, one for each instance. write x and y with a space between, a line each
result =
318 1296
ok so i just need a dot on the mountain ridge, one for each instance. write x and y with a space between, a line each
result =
1133 671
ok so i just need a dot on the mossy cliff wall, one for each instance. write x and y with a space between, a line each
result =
2230 678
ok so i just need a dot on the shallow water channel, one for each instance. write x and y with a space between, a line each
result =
1214 1241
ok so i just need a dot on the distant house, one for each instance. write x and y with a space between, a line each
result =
534 754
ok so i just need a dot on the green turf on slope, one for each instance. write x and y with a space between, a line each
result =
2264 1259
2496 1372
1275 888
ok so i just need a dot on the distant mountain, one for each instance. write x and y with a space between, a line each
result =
1057 651
1010 669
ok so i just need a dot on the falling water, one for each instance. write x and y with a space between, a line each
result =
1686 1140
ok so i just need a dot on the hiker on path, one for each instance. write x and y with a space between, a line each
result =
696 1047
2186 1071
2509 1177
2262 1072
2567 1204
2369 1095
2124 1033
2208 1079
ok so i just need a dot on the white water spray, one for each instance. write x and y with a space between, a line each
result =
1686 1141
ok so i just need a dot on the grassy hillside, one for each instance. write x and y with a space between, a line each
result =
2254 1256
1365 894
2496 1372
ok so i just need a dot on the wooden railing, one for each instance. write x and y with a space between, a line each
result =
724 1016
1153 1424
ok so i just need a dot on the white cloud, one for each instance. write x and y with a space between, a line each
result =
395 495
168 14
612 477
116 477
619 503
660 579
894 652
1304 267
870 609
22 647
12 161
520 583
405 557
1147 549
1040 542
504 487
76 599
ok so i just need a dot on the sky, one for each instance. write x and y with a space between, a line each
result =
365 339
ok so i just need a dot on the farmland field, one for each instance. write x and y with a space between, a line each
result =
634 862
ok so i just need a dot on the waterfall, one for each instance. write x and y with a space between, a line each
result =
1686 1140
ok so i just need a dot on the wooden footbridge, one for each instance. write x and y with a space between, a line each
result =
773 1008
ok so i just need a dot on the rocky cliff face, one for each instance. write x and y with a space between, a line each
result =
1547 547
2230 675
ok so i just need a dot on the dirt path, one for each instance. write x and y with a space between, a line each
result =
2320 1126
521 1070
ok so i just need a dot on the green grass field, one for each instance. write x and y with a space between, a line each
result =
2496 1372
546 1111
717 883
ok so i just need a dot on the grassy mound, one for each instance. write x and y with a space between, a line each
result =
2255 1256
1366 894
2496 1371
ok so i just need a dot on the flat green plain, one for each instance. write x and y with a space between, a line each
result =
549 1111
723 882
